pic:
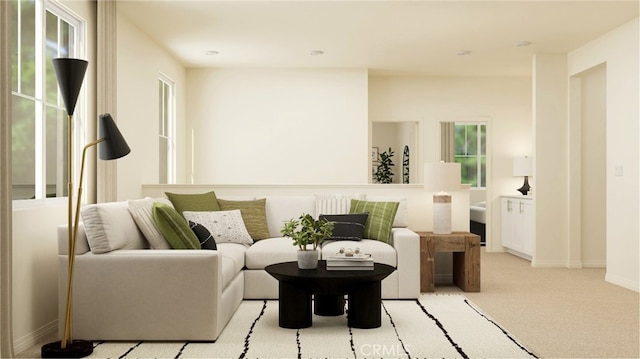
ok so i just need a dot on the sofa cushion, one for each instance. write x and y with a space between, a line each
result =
401 220
281 209
270 251
235 252
194 202
253 213
380 252
109 226
204 236
141 211
380 220
346 226
174 227
224 226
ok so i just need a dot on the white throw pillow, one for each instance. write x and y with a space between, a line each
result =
224 226
109 226
142 212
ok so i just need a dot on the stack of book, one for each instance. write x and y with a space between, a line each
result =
355 262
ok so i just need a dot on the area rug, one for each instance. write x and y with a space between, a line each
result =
434 326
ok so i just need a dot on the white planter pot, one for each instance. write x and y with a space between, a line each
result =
308 259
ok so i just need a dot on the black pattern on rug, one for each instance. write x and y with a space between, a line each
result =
501 329
395 329
249 336
181 350
444 331
247 339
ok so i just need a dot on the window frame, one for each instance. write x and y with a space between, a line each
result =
41 103
481 139
170 117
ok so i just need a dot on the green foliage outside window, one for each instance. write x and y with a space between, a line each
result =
39 122
470 147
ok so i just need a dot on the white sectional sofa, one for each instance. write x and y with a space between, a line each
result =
131 292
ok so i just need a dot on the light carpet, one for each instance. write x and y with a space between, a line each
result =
434 326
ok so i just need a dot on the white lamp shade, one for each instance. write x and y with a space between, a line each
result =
522 166
442 176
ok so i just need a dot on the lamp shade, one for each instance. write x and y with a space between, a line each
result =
114 146
522 166
442 176
70 73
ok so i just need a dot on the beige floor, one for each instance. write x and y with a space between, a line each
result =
557 313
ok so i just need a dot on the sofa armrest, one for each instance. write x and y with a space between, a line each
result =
407 245
128 294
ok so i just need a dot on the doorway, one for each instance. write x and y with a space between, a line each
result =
589 131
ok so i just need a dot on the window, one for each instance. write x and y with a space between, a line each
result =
42 30
166 144
470 152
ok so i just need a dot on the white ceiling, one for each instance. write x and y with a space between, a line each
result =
387 37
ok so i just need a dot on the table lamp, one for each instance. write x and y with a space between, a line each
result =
522 167
70 73
440 177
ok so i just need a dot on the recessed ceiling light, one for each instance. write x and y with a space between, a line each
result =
316 52
211 52
523 43
463 52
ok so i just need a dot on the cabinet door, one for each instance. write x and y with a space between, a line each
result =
527 227
517 222
507 222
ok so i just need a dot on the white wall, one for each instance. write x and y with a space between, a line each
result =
138 107
593 98
278 126
619 50
35 270
550 88
503 102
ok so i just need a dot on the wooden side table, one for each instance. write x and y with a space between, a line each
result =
466 259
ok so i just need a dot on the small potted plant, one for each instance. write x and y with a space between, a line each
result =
306 231
384 173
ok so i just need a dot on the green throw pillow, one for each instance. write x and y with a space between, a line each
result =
174 227
253 214
380 220
194 202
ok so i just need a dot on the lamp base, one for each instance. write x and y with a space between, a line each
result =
442 214
75 349
525 187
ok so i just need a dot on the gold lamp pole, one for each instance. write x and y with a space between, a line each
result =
70 73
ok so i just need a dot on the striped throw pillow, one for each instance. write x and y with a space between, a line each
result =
380 220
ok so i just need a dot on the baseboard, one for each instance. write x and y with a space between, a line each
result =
622 282
36 337
594 264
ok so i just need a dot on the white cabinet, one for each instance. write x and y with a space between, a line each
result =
517 225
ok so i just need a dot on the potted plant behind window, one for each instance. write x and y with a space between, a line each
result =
384 173
306 231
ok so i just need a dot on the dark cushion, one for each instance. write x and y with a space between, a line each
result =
348 227
204 236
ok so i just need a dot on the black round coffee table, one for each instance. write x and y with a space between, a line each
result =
296 287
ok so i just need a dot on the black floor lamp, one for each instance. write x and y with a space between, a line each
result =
70 74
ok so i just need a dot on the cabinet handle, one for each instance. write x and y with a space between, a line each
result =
509 204
521 207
